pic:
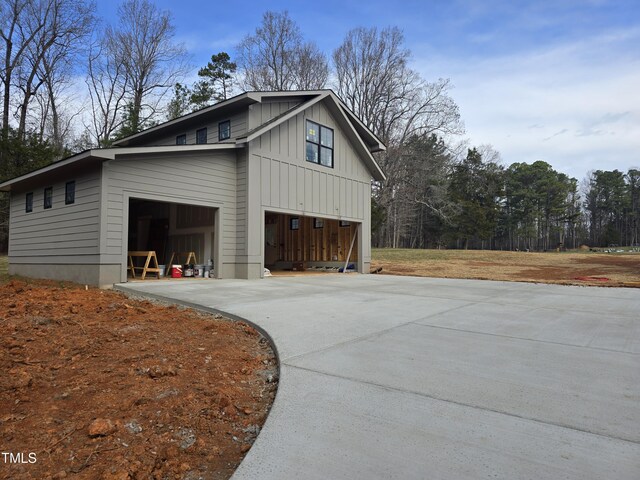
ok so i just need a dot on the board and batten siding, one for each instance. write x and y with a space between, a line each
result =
206 179
288 181
261 113
62 234
281 180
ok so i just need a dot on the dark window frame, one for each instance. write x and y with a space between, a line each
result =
28 202
345 223
48 204
70 192
182 137
294 223
318 145
226 123
318 223
198 132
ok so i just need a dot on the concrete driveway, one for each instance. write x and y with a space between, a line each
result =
400 377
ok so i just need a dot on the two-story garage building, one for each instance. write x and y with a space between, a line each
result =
261 179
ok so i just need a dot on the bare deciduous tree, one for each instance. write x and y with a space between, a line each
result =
374 79
276 57
65 24
143 45
311 70
107 81
17 34
40 45
75 22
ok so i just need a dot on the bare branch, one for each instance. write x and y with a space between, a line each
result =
276 58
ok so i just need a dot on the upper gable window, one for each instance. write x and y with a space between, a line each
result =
319 144
201 136
181 139
224 130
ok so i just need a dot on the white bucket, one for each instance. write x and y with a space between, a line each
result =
162 271
207 271
198 271
187 271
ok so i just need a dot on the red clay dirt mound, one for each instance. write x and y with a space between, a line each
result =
96 385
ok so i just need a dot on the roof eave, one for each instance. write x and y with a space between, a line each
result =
252 96
372 140
112 153
6 186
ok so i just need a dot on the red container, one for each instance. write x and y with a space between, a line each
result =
176 271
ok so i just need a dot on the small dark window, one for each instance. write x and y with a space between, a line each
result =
28 207
70 192
48 197
344 223
201 136
319 144
295 223
318 223
224 130
181 139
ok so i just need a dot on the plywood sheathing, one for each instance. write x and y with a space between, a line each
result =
309 244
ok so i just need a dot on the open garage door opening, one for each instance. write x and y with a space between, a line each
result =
312 244
175 233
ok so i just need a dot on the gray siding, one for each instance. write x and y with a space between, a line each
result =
207 179
289 182
238 129
260 113
241 205
283 181
63 234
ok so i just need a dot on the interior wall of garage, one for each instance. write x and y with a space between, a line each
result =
295 238
168 228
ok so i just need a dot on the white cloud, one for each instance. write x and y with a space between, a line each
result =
574 105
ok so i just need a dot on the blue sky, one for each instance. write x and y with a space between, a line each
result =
544 80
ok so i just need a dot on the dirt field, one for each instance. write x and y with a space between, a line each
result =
98 386
568 268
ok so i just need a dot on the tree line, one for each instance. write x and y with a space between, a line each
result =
71 81
475 202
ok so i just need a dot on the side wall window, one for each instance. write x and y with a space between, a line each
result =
28 207
224 130
181 139
48 197
70 192
201 136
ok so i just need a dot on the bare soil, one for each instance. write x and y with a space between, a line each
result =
567 268
99 386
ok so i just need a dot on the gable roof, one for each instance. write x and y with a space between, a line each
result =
101 154
233 103
364 140
339 112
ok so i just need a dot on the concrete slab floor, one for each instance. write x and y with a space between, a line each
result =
402 377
